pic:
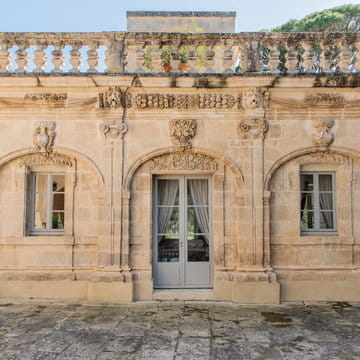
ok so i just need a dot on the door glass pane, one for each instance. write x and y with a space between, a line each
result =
168 192
41 201
58 201
197 191
41 183
168 220
198 248
168 248
307 182
40 220
58 183
325 182
307 201
326 220
57 220
307 220
326 201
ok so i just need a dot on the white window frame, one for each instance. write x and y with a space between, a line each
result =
316 205
49 195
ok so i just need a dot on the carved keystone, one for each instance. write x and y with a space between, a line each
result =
322 135
44 136
182 132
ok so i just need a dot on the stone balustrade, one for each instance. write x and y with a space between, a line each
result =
121 52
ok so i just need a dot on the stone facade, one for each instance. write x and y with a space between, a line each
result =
251 134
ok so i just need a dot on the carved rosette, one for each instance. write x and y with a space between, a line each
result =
53 159
114 130
182 131
184 161
44 136
253 129
252 99
114 98
322 135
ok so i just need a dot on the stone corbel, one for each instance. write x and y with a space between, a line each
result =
114 130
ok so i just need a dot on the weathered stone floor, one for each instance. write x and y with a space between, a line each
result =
34 329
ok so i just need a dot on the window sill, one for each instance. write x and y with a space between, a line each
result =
320 233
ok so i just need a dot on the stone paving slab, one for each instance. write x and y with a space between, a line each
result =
34 329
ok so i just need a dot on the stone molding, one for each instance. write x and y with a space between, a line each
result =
53 159
184 161
321 135
182 131
114 130
114 98
44 136
253 129
323 157
321 98
48 97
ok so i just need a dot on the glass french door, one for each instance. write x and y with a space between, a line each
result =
182 232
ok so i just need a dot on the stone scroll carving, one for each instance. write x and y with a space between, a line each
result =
322 135
46 97
253 129
115 98
182 131
114 130
54 159
44 136
318 98
184 161
324 157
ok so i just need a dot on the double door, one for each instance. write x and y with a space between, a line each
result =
182 232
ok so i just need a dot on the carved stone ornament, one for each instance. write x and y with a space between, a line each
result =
46 97
184 101
44 136
328 98
184 161
253 129
322 135
182 132
114 98
324 157
53 159
114 130
251 100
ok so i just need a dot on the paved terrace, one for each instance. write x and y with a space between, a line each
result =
34 329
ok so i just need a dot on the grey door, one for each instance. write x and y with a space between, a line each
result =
182 232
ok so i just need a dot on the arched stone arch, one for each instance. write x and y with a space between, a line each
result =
58 151
219 158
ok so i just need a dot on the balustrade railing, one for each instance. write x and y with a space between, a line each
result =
121 52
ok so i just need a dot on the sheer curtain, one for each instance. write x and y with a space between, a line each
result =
199 194
167 192
326 201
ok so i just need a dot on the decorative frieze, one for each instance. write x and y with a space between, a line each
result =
328 98
182 131
321 135
253 129
44 136
323 157
185 101
53 159
114 130
115 98
46 97
184 161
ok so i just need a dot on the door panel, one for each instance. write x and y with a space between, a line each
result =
182 245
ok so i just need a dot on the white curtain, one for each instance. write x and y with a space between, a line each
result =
167 192
326 202
199 194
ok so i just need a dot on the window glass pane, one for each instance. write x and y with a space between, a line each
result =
168 248
197 190
57 220
307 201
41 201
40 220
326 220
168 192
307 220
58 201
307 182
198 248
58 183
41 183
326 201
168 220
325 182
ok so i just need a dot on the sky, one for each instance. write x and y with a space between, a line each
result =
110 15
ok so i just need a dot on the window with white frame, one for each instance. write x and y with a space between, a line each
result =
318 202
46 203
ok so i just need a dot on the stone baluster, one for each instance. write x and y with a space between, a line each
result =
21 57
156 56
274 57
344 57
209 56
75 57
140 56
325 57
292 59
58 56
193 57
115 56
175 57
93 57
308 56
5 56
40 56
355 58
227 58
